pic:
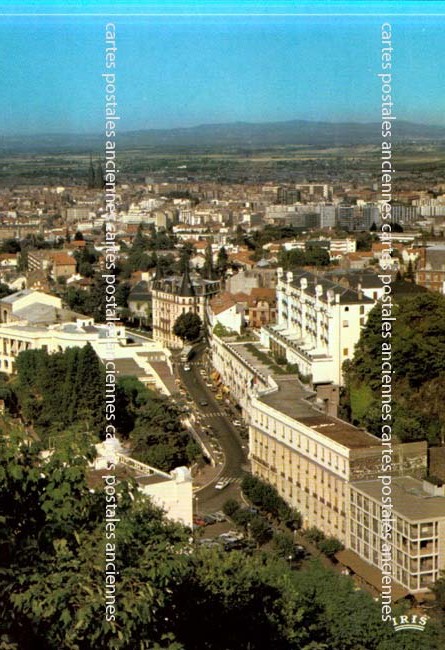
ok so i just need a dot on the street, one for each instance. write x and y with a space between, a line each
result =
233 460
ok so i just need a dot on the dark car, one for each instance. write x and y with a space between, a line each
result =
209 519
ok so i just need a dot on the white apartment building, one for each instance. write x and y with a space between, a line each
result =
311 458
144 359
319 324
339 247
418 529
239 371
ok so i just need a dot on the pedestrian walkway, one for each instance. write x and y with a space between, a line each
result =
231 479
212 414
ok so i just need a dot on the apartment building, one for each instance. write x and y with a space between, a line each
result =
319 324
431 268
328 470
176 295
239 370
311 458
418 538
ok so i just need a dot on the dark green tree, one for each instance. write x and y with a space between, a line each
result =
187 326
222 262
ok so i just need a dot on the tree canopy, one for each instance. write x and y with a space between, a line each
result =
417 348
56 391
187 326
171 594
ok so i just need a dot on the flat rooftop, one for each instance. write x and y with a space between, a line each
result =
291 399
128 367
124 473
409 499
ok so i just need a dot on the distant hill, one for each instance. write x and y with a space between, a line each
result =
238 134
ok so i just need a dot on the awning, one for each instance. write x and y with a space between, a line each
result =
370 574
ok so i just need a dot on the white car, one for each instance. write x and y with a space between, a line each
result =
187 368
223 483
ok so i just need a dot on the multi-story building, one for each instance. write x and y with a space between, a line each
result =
319 190
175 295
339 247
261 307
418 529
311 458
329 470
430 272
319 324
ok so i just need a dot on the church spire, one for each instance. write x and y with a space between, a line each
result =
91 175
186 288
99 181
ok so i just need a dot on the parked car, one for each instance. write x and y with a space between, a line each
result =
187 368
219 516
203 402
199 521
231 535
209 519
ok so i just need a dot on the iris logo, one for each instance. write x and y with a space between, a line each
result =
412 622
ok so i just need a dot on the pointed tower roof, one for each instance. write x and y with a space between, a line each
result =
186 288
159 275
99 181
91 174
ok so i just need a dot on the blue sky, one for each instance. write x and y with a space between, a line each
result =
185 70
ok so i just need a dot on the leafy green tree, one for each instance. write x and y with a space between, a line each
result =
330 546
260 530
10 246
230 507
169 594
409 275
283 544
187 326
317 256
208 270
58 390
222 262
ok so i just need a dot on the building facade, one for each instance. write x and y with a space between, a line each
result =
418 529
319 324
176 295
